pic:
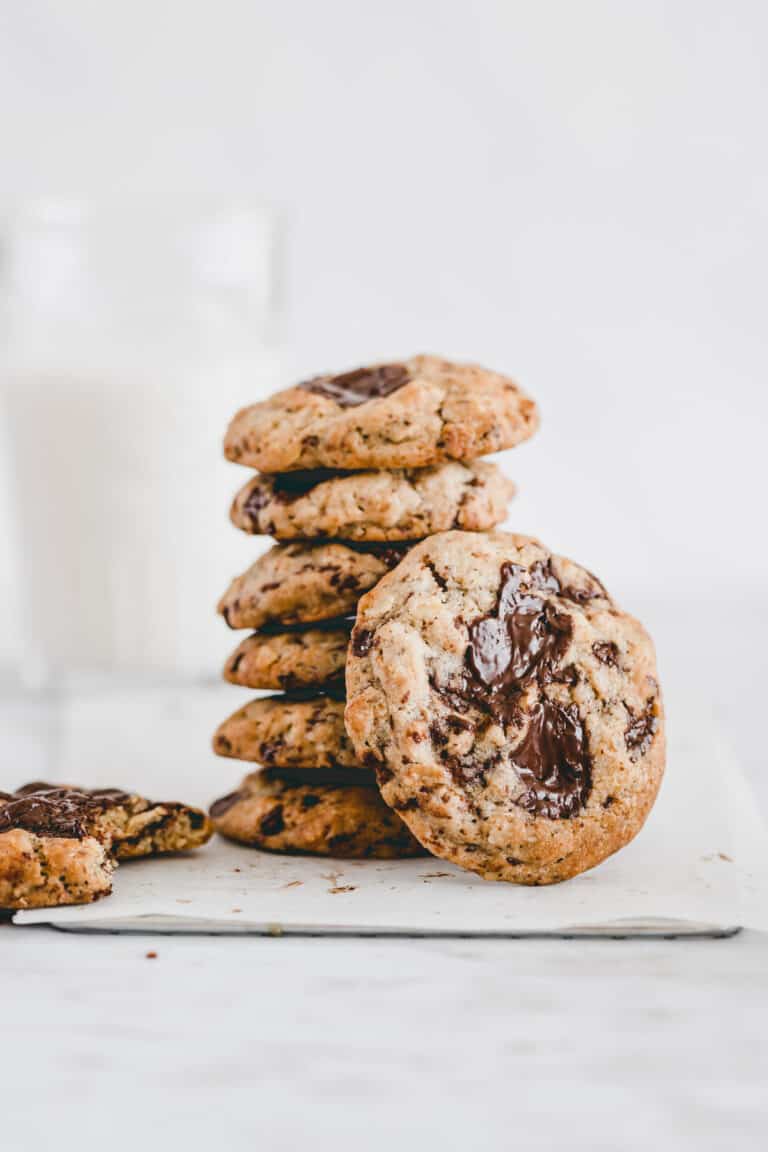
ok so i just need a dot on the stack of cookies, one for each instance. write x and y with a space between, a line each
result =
353 470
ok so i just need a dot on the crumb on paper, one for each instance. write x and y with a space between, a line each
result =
433 875
237 869
293 884
237 909
726 857
274 929
335 887
179 900
151 956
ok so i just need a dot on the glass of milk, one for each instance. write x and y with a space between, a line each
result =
129 337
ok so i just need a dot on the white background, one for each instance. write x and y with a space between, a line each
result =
574 193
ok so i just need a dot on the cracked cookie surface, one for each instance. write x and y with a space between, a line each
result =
346 820
402 504
409 414
306 583
290 660
511 709
58 845
297 730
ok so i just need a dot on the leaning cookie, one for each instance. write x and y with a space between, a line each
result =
409 414
297 730
403 504
345 820
306 583
58 845
511 709
290 660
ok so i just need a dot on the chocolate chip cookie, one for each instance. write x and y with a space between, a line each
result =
403 504
304 583
410 414
289 660
511 709
297 730
346 820
59 845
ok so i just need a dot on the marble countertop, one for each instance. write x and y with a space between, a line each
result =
380 1043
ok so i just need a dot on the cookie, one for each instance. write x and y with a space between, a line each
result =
343 820
58 845
411 414
406 504
289 660
511 709
306 583
297 730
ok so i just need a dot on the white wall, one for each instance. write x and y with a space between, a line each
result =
572 192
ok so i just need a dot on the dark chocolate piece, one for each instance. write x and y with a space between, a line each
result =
48 810
525 637
606 652
641 729
362 641
219 807
273 822
353 388
554 763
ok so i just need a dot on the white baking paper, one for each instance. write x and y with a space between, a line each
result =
696 867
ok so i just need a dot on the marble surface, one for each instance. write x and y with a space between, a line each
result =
222 1042
278 1043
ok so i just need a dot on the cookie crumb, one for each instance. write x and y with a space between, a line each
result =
151 956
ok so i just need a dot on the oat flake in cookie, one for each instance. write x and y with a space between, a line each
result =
408 414
511 709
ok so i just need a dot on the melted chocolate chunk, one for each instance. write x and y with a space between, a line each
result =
641 729
553 761
50 811
353 388
219 807
606 652
525 637
524 640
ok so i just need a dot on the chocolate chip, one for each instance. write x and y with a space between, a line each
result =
256 502
640 731
362 641
235 662
353 388
219 807
269 750
438 577
273 822
406 805
606 652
